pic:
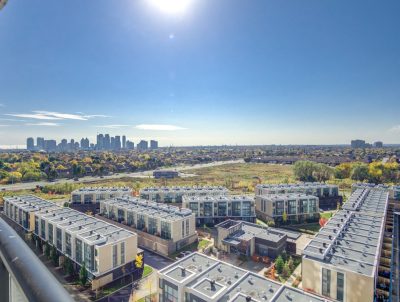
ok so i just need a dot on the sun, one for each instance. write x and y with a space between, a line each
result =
171 6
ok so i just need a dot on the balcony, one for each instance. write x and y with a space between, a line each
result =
22 276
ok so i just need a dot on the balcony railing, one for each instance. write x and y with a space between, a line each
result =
23 277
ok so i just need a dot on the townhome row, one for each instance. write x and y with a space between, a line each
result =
161 227
328 194
211 210
198 278
175 194
88 198
292 207
342 260
107 251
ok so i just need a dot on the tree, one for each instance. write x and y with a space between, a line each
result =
291 263
359 172
14 177
322 221
285 270
284 217
54 256
47 250
271 223
303 170
83 275
279 264
139 261
322 172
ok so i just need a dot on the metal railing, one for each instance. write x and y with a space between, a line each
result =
23 277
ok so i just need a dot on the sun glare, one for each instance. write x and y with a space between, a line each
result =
171 6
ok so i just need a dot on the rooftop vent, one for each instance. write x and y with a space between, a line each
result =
248 299
183 272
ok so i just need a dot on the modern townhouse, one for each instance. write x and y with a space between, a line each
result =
175 194
198 278
250 239
297 207
88 198
108 252
162 228
327 194
342 260
211 210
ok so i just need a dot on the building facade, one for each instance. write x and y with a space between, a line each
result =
395 264
211 210
297 208
342 260
163 229
198 278
175 194
108 252
88 198
327 194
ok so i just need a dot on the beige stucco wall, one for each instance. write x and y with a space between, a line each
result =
357 287
97 283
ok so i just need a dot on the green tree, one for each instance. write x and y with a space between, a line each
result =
83 275
284 217
279 264
286 271
291 263
54 256
47 250
360 172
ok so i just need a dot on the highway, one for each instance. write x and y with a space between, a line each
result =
88 179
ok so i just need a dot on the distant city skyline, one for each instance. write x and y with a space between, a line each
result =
254 73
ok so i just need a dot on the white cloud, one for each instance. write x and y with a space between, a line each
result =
43 124
158 127
395 128
112 126
50 115
4 125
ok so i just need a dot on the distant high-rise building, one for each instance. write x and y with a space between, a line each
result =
378 145
85 144
112 144
358 144
40 143
117 143
50 145
100 142
153 144
107 142
142 145
123 142
130 145
30 143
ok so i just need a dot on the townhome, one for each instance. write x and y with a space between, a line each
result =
211 210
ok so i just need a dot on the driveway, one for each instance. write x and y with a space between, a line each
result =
156 261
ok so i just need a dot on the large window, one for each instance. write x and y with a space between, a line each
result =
208 209
222 209
43 229
326 282
279 207
78 251
246 208
170 293
121 215
340 287
140 222
236 208
122 253
115 255
292 204
187 227
131 219
194 206
89 256
59 238
152 225
68 244
50 226
165 230
36 225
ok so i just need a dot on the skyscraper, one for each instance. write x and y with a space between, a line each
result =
107 142
100 141
40 143
117 143
123 142
30 144
142 145
153 144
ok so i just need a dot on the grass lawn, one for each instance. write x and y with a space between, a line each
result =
195 246
147 271
327 214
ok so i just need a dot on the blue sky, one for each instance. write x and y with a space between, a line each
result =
220 72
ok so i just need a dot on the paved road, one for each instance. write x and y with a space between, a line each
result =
155 260
144 174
